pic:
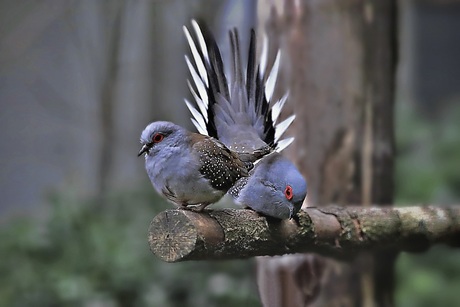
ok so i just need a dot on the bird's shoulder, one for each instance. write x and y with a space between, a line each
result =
213 148
220 165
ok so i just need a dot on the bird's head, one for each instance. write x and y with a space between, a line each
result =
158 135
276 188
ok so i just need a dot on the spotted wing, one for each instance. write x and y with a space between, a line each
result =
221 166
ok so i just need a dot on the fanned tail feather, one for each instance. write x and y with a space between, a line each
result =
278 106
271 80
197 117
282 127
283 144
245 100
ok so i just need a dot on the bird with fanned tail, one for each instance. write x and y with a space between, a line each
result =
238 111
189 169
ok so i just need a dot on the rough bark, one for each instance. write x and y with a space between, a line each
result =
339 66
343 232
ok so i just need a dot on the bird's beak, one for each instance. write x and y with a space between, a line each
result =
144 149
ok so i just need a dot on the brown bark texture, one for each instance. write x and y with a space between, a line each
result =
338 63
342 232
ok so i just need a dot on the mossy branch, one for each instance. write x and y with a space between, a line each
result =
179 235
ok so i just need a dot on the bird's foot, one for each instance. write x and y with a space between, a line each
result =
184 207
194 208
198 208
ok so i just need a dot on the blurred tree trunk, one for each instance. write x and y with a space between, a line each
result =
339 65
108 95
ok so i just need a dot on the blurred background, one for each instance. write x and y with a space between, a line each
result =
79 80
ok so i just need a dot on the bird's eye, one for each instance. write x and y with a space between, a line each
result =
157 138
288 192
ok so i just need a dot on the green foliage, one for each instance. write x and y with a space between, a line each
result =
430 279
87 253
428 172
428 164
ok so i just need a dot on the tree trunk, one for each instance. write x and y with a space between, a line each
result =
339 66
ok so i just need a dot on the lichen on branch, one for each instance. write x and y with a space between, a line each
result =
179 235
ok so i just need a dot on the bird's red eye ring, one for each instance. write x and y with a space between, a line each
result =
157 137
288 192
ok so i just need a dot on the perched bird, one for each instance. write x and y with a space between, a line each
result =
275 188
189 168
239 113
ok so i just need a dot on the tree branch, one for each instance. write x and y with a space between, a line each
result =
179 235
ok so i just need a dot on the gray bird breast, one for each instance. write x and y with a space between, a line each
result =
177 171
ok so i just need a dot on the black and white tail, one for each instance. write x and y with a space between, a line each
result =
237 111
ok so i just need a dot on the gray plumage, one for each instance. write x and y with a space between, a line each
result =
275 188
188 168
238 111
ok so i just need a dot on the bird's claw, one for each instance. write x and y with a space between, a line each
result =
194 208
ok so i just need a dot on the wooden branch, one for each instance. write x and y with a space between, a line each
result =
179 235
